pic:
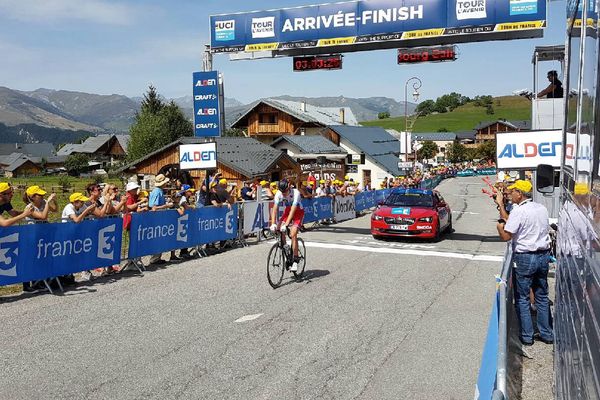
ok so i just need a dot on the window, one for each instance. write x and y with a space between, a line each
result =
267 118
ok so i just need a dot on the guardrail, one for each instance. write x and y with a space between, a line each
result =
500 370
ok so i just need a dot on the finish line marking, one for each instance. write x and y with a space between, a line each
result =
247 318
425 253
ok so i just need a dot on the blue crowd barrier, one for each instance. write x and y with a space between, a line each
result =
153 233
41 251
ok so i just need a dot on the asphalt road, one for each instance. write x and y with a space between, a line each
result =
372 320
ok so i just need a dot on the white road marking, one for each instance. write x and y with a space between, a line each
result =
247 318
414 252
369 240
465 212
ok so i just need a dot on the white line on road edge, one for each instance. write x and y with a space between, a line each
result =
425 253
247 318
465 212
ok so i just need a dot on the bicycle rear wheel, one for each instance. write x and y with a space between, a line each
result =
275 266
302 263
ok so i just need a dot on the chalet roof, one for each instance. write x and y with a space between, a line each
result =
378 145
306 112
311 144
466 135
516 124
43 149
92 144
436 136
245 155
11 158
123 141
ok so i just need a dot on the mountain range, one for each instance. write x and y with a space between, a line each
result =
58 116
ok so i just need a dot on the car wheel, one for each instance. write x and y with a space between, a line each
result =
449 227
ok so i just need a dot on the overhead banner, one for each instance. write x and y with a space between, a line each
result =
198 156
362 22
519 150
207 111
344 208
41 251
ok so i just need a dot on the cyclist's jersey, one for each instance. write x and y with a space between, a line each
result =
292 198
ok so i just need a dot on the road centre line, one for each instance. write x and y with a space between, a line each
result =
247 318
425 253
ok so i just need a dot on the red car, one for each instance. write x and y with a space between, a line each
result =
418 213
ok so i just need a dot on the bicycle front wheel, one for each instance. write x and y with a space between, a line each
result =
302 262
275 266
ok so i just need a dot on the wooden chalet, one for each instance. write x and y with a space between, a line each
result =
269 119
238 159
486 131
107 149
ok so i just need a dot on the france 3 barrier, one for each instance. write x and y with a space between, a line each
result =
41 251
159 232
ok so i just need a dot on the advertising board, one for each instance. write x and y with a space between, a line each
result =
207 110
361 22
526 150
198 156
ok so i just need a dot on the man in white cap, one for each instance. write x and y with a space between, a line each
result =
157 202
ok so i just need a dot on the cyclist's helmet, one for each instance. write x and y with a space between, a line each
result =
283 185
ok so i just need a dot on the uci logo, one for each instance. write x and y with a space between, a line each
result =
107 242
9 250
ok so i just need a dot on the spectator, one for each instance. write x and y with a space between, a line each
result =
34 195
117 204
265 191
94 193
321 189
527 227
248 193
311 180
6 194
219 197
156 202
273 189
76 211
133 203
186 197
203 194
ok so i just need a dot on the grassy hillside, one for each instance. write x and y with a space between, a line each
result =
463 118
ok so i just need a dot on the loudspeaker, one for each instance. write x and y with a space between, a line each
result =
321 160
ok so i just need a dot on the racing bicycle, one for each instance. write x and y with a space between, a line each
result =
281 258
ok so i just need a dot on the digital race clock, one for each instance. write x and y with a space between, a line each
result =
312 63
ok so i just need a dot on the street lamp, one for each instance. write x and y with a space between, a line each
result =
416 84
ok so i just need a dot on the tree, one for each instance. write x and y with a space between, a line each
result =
76 163
487 150
383 115
489 109
426 107
456 152
429 150
156 125
443 130
234 132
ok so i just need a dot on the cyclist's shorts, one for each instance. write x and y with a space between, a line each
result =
298 216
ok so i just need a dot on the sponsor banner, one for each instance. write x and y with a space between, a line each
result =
516 150
365 200
486 379
40 251
207 112
256 216
158 232
317 209
344 208
332 169
381 195
348 23
211 224
198 156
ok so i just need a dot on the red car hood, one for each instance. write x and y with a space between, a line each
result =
405 212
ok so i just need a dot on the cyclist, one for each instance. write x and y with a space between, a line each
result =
293 214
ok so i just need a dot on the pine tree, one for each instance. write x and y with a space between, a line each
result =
156 125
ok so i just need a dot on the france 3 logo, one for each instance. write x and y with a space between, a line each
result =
225 30
9 252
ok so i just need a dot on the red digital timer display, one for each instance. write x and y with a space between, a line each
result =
314 63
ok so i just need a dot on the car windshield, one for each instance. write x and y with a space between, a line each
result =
409 200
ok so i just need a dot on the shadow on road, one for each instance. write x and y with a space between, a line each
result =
308 276
474 238
343 229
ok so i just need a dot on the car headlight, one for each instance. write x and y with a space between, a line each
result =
426 219
377 217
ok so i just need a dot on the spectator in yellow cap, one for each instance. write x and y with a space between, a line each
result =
34 195
75 210
6 194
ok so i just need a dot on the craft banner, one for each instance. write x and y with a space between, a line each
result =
40 251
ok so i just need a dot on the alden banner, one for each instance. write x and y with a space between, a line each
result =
356 22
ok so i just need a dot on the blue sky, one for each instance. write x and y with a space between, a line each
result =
106 47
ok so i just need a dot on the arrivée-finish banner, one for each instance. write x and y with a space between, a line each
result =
357 22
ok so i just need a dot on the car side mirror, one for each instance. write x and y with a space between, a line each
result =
380 203
544 178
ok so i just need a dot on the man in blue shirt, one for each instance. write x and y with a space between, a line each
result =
156 202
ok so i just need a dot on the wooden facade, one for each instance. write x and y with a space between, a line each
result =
167 163
28 168
488 133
